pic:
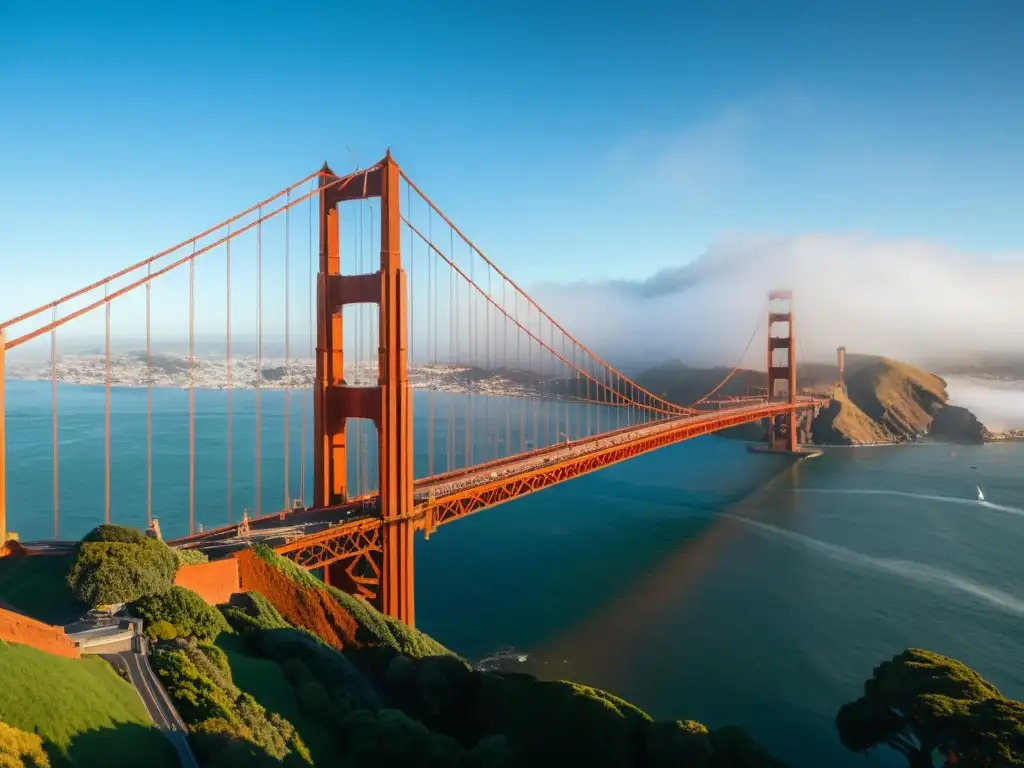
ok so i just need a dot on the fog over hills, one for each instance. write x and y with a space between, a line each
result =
908 299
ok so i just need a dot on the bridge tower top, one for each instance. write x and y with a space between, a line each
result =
388 404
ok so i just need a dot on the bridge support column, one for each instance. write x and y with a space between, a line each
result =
841 365
395 427
782 430
389 404
330 466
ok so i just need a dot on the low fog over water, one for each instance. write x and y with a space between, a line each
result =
999 405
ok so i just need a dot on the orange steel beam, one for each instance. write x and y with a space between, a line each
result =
347 540
472 499
395 427
787 372
424 484
389 404
329 456
361 538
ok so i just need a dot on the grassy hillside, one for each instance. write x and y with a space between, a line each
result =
85 713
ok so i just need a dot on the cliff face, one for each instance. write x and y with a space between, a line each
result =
885 401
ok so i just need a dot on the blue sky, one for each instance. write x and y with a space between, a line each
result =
574 141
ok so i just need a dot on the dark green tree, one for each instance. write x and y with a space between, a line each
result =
923 704
187 612
106 572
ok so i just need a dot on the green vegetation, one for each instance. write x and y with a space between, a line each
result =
922 704
228 727
80 708
266 681
397 698
374 628
256 613
37 586
18 749
160 630
187 613
115 564
189 556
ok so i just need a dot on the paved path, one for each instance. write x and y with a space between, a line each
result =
158 704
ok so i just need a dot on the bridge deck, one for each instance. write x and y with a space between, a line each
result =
450 496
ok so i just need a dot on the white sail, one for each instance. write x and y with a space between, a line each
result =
981 496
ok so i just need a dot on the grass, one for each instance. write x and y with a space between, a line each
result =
264 680
84 712
37 586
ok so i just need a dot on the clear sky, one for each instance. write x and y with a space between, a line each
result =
574 141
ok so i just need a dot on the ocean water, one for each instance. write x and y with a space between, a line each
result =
699 581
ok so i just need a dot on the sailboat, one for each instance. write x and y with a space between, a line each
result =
981 496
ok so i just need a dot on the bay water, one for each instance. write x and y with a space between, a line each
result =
699 581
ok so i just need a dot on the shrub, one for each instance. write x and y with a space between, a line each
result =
331 669
255 614
18 748
312 698
190 615
228 725
559 723
106 572
389 738
161 630
119 534
189 556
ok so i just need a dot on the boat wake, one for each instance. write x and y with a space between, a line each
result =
501 658
980 502
934 579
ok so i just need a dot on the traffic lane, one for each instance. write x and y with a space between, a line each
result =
576 449
145 683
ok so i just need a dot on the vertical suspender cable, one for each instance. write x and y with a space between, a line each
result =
259 351
227 362
56 442
504 364
302 430
191 391
149 395
106 427
431 335
287 350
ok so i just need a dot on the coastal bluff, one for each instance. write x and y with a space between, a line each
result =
884 401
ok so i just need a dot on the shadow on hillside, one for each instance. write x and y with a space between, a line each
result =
123 744
36 585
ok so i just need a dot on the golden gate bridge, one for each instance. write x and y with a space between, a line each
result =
352 501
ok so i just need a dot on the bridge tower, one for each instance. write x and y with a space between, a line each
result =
389 404
782 432
841 365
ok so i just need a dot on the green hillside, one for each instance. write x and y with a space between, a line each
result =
85 713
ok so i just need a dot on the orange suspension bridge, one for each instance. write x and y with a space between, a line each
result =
393 300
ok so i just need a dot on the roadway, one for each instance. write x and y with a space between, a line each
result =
158 704
290 525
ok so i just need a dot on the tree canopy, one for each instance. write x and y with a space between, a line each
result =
114 564
184 610
921 704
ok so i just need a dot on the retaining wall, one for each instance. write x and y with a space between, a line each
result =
215 581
